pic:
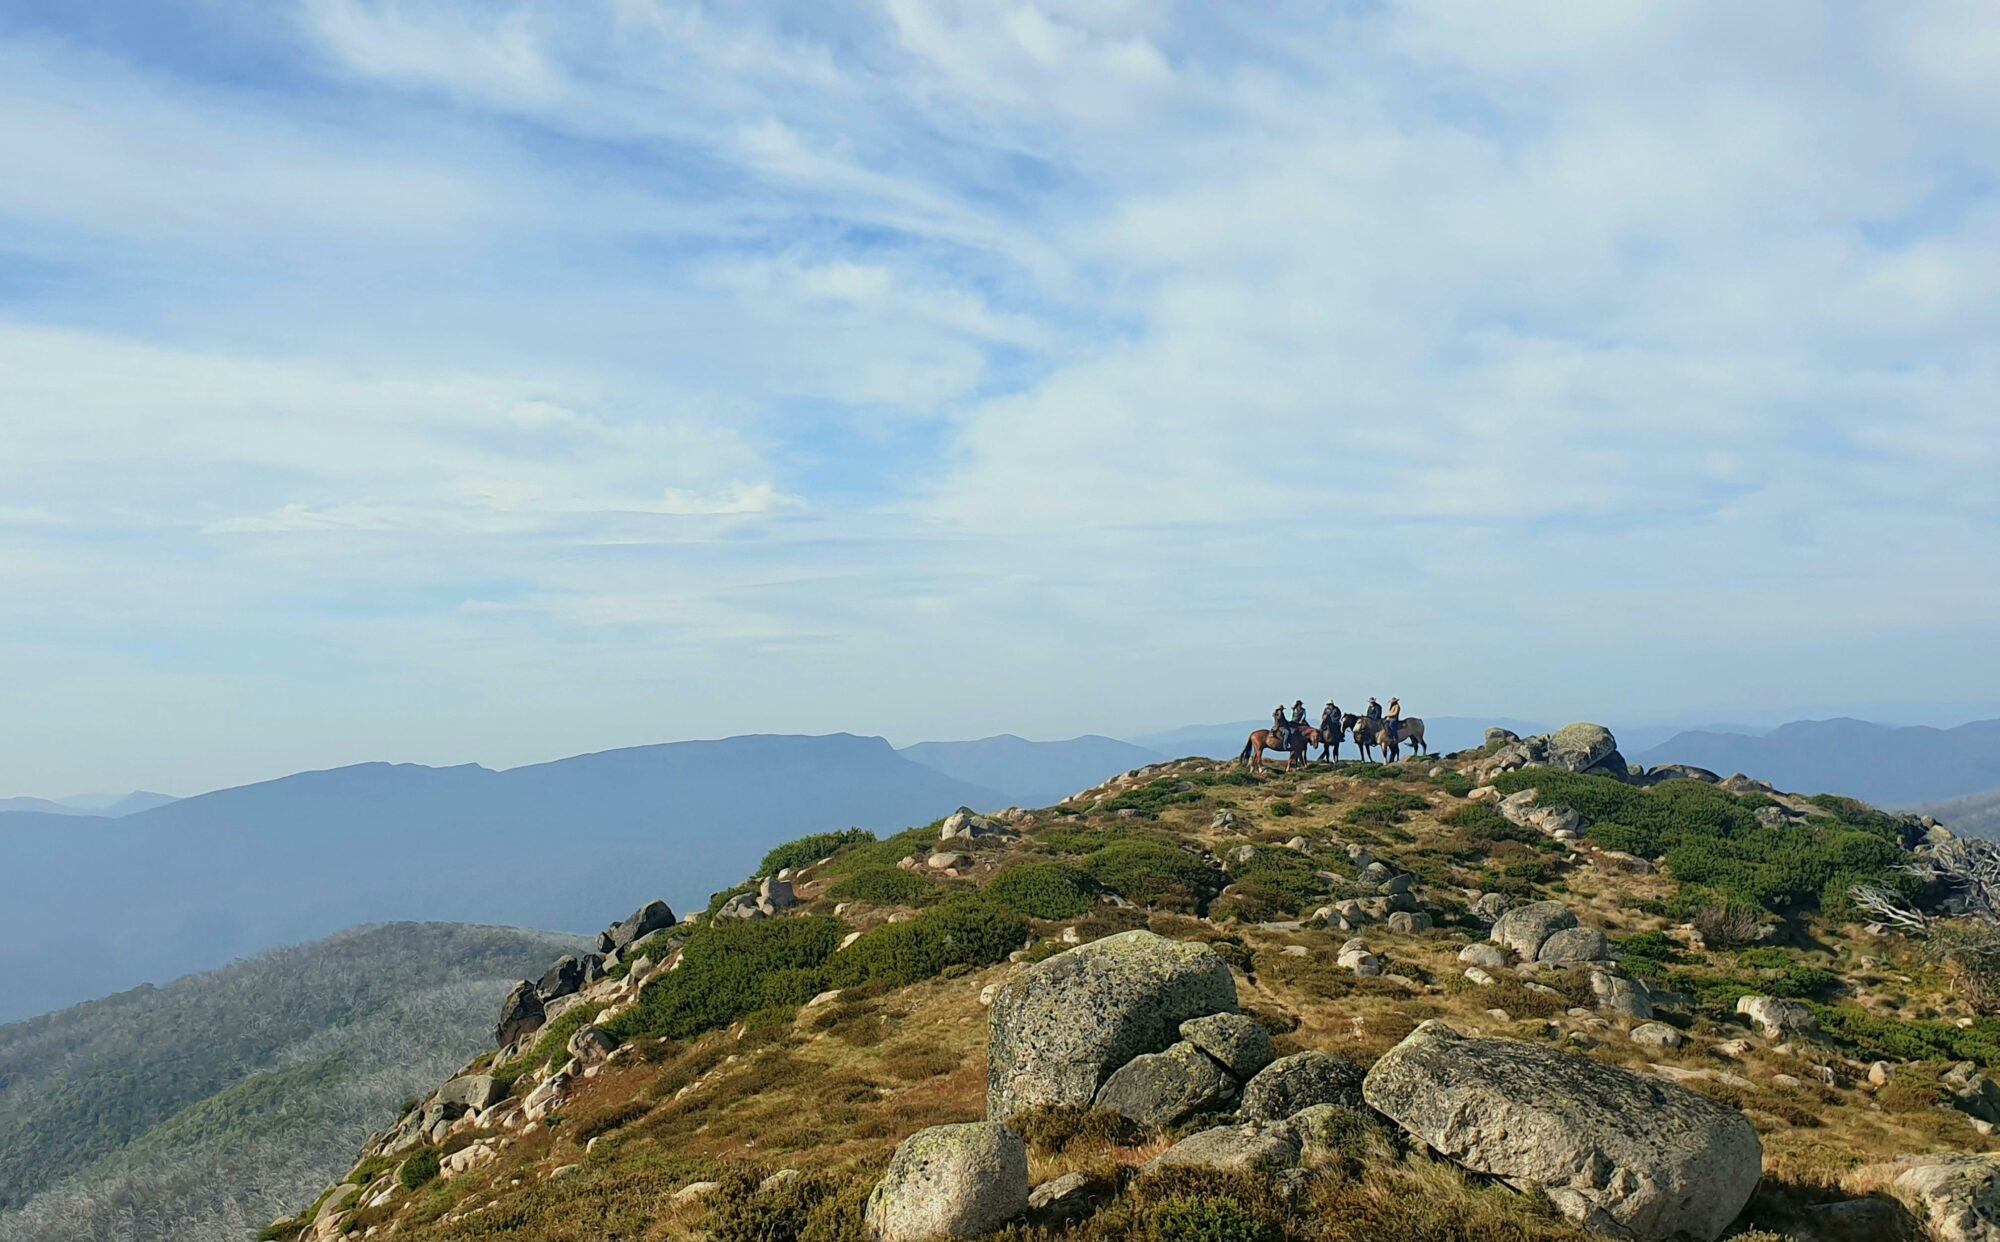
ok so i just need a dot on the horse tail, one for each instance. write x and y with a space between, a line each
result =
1252 741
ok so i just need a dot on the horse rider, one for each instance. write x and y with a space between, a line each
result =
1278 727
1298 714
1329 719
1394 717
1374 709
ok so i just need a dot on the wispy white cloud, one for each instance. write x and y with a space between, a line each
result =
906 363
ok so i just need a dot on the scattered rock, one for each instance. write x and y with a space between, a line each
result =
477 1092
1062 1201
956 1181
1586 748
1879 1073
561 979
1407 923
1299 1081
1573 946
1489 907
1480 977
1776 1018
1657 1035
1485 956
1061 1026
1524 928
1257 1145
1238 1042
964 824
696 1190
1162 1089
1616 1152
1619 996
592 1044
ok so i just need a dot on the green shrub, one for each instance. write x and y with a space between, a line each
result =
965 931
885 885
1153 874
419 1168
551 1043
1208 1219
1282 809
889 851
717 900
1711 839
1271 883
1044 890
1051 1128
1899 1039
723 974
809 1208
1373 772
1150 799
811 849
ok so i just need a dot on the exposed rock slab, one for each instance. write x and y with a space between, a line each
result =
1620 1154
1290 1084
961 1181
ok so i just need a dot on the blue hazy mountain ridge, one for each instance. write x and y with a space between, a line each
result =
193 884
108 806
1033 773
1889 765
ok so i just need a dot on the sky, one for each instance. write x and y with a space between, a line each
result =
475 380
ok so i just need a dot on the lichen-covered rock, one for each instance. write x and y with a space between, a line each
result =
561 979
1484 956
591 1044
1958 1197
1238 1042
1621 1154
1620 997
1584 747
1299 1081
1524 928
1060 1027
960 1181
642 922
1161 1089
1062 1200
1257 1145
1572 946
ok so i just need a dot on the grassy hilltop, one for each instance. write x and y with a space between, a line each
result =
789 1044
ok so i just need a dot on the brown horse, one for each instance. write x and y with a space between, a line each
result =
1262 740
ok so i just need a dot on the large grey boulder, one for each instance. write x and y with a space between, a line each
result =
642 922
1238 1042
1619 1154
1660 772
1958 1197
1573 946
1161 1089
1524 928
474 1091
962 1181
1060 1027
520 1014
1241 1148
1290 1084
1584 748
1620 997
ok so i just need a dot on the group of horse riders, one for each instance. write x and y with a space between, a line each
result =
1331 720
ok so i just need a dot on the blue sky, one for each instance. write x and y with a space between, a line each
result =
485 381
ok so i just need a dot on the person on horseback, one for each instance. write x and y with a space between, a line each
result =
1278 728
1393 719
1374 709
1298 720
1329 719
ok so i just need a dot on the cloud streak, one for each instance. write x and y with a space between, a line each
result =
938 368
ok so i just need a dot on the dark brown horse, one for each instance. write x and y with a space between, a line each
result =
1262 740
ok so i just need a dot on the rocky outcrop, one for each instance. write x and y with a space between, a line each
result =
1586 748
1524 928
1573 946
959 1181
561 979
965 824
1061 1026
1620 1154
641 923
1299 1081
1958 1197
520 1015
473 1091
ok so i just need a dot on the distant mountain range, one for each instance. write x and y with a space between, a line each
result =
1885 764
202 1110
192 884
111 806
1033 773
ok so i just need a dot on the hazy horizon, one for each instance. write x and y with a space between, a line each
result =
443 381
